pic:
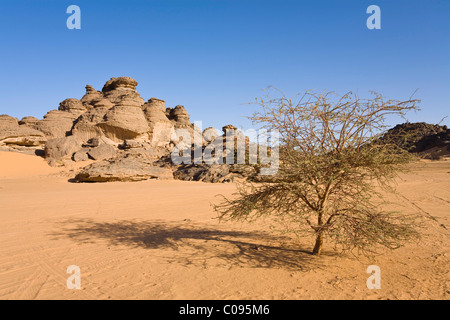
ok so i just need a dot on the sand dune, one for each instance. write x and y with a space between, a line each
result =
16 165
159 240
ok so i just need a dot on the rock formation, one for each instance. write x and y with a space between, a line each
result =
161 128
123 169
126 138
13 134
428 140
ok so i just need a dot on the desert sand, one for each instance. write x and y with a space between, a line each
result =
160 240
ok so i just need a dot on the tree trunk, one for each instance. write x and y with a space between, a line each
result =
319 238
319 243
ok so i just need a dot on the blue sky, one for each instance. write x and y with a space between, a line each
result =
214 56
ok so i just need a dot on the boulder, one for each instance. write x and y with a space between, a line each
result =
92 143
81 155
62 148
123 169
102 152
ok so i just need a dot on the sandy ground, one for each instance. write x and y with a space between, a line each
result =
159 240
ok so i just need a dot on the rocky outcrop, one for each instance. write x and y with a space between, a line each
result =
179 117
91 97
72 105
428 140
119 83
125 120
130 144
86 124
56 123
81 155
7 121
160 127
126 138
408 135
117 112
209 134
28 121
216 173
122 88
13 134
123 169
73 148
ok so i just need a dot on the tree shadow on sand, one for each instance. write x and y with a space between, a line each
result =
193 244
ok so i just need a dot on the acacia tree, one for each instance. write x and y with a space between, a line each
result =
332 165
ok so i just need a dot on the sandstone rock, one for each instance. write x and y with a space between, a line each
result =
168 113
104 103
244 170
91 97
229 128
214 173
56 124
119 89
102 152
205 173
130 144
189 172
11 133
92 128
123 169
86 124
81 155
62 148
209 135
152 154
180 117
28 121
92 143
6 121
160 127
72 105
22 136
121 82
124 122
156 103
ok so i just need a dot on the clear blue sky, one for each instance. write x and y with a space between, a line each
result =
213 56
